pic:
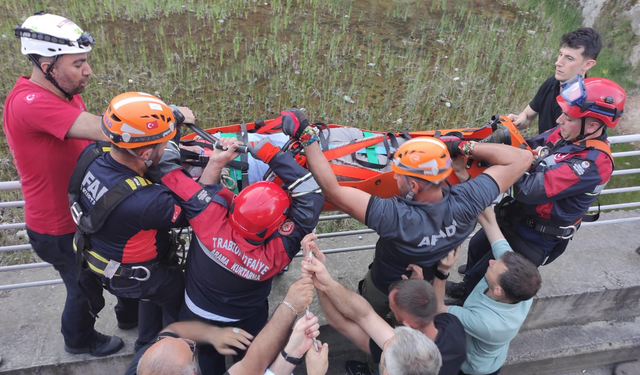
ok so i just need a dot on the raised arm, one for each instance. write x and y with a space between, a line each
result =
351 201
444 265
488 221
507 163
221 338
299 343
87 126
349 304
218 159
273 337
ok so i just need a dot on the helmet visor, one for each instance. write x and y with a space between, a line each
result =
575 94
573 91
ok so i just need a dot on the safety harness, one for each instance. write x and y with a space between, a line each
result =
91 222
508 207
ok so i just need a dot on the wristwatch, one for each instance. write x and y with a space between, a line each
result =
440 275
290 359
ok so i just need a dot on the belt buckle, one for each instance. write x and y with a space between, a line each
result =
543 152
143 278
573 232
76 213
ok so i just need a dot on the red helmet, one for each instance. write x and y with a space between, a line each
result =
593 97
259 210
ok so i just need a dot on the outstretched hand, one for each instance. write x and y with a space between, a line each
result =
228 338
447 262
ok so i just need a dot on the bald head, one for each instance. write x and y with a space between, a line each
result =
169 356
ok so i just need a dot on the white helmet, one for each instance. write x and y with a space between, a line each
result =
50 35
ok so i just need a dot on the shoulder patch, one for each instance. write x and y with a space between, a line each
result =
580 167
204 197
30 98
286 227
176 213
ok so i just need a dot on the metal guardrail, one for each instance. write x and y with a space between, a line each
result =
15 185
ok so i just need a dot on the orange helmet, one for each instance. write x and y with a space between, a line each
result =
258 210
136 119
424 157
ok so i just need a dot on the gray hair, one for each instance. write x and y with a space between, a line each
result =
162 360
412 353
162 366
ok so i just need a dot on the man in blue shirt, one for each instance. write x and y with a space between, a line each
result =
496 308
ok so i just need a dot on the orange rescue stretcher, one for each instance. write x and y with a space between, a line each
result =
370 176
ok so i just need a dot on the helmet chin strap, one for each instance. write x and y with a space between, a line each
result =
410 195
582 129
149 161
48 75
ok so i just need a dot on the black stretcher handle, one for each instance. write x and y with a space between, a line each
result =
196 129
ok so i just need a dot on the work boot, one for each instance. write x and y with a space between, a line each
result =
101 345
357 368
456 290
462 269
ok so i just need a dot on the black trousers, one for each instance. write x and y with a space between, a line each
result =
160 298
76 322
213 363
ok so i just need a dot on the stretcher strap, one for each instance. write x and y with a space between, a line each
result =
351 147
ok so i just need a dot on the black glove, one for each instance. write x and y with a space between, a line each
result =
501 136
169 161
453 147
177 114
294 121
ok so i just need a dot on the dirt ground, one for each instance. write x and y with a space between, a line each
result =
630 121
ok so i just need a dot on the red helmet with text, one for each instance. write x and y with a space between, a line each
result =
593 97
259 210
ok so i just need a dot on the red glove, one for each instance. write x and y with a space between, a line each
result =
264 150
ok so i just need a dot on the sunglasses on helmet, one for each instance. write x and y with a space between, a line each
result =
85 40
575 94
